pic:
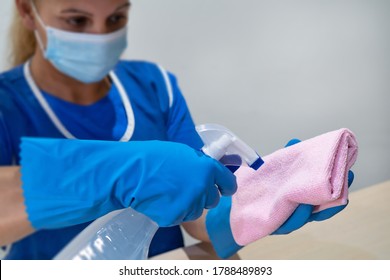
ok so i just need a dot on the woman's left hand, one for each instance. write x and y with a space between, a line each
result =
304 212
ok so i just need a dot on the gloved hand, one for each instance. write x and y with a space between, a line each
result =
67 182
219 229
304 212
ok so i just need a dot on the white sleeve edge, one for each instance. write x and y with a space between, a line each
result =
168 84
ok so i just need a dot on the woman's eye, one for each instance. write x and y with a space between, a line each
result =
77 21
117 19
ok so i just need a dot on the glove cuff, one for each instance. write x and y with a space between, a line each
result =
55 195
219 230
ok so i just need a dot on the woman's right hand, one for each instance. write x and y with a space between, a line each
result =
66 182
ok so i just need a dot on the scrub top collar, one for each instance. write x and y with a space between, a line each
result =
56 121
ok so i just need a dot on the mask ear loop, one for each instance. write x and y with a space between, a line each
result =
38 17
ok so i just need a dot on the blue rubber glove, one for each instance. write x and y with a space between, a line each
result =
67 182
218 220
304 212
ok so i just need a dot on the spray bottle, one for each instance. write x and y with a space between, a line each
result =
126 234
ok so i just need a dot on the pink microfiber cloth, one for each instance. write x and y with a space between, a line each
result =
311 172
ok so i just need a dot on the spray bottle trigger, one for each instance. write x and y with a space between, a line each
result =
223 145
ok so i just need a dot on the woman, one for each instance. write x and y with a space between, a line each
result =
83 134
62 87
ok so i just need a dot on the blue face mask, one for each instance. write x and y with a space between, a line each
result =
87 58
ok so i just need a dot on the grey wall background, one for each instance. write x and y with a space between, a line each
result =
273 70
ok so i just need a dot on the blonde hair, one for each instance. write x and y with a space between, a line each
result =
23 42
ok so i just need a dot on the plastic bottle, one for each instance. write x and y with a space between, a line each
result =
120 235
126 234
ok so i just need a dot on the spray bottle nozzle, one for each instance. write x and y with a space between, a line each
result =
222 144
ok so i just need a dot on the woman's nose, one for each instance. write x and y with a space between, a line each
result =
99 28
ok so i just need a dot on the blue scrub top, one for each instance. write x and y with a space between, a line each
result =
160 113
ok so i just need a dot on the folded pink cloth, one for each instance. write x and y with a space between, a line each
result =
311 172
